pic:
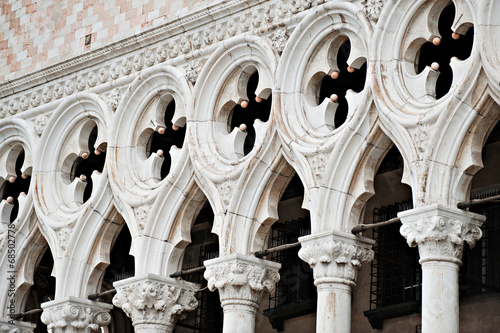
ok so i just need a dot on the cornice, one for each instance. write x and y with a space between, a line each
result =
185 38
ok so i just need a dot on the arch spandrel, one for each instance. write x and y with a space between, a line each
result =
327 154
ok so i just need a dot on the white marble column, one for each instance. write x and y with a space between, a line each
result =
241 281
335 258
153 302
14 326
440 233
75 315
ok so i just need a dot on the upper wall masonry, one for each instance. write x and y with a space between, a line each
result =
35 34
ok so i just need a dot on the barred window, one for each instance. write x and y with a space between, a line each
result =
295 293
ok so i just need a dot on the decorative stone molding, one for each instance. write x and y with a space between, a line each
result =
373 8
335 257
40 123
73 314
153 302
440 231
138 50
241 279
279 39
193 69
114 98
14 326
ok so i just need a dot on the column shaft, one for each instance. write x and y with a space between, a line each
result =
334 308
239 318
440 297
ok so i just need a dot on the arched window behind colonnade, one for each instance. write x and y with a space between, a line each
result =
121 267
208 316
295 294
42 290
395 273
479 279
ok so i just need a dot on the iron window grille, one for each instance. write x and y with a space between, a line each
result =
295 294
480 272
395 286
395 283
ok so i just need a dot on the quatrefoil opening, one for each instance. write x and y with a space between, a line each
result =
83 168
338 75
162 140
15 183
247 109
436 57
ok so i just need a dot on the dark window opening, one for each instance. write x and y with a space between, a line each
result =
122 266
20 184
255 110
295 293
346 80
173 136
448 48
208 316
480 272
43 290
87 166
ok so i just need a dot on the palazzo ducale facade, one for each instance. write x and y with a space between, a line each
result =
250 166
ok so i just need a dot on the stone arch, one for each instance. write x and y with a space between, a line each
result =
141 196
138 115
477 128
17 137
62 218
30 251
324 155
233 183
177 212
59 143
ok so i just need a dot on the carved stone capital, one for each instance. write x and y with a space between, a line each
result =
440 231
72 314
14 326
335 257
241 279
153 302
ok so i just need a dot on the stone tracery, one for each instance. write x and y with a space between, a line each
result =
324 144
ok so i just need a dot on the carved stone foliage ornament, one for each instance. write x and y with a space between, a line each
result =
440 232
373 8
40 123
114 98
335 257
279 39
154 300
75 315
241 278
193 70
